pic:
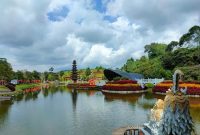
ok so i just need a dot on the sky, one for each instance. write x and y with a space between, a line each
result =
39 34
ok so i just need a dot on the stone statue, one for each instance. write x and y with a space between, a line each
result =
174 117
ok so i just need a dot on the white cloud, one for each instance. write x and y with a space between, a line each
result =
29 40
104 56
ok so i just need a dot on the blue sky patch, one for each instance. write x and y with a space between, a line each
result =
58 14
99 6
110 18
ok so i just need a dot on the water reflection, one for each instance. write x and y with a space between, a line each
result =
74 96
18 98
4 111
70 111
125 98
146 101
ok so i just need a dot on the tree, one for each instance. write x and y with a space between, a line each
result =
181 57
171 46
50 77
19 75
128 66
98 68
164 59
61 73
51 69
191 38
36 75
190 72
28 75
87 72
6 71
155 50
46 75
150 68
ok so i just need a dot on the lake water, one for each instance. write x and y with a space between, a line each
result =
59 111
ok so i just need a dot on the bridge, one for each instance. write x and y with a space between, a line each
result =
149 80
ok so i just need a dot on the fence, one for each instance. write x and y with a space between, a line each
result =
149 80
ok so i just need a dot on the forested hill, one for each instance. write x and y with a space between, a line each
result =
163 59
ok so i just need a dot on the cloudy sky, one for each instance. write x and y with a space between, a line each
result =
38 34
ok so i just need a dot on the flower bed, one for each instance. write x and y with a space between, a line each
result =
85 85
193 88
28 81
34 89
2 82
122 88
122 85
123 82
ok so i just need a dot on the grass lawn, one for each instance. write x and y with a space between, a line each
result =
26 86
19 89
3 88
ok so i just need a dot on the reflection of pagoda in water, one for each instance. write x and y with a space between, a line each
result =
74 95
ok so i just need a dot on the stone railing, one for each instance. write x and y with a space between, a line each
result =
149 80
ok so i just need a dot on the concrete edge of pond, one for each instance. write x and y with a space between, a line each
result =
160 93
3 98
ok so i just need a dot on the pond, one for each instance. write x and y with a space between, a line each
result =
60 111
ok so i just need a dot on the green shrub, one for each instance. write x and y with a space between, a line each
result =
149 85
117 78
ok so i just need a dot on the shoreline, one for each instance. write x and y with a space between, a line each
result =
6 93
160 93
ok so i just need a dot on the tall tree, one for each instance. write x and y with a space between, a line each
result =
36 75
51 69
171 46
45 75
6 71
191 38
61 73
155 50
87 72
19 75
28 75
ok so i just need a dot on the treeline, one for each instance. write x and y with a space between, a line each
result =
163 59
35 75
7 73
88 73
